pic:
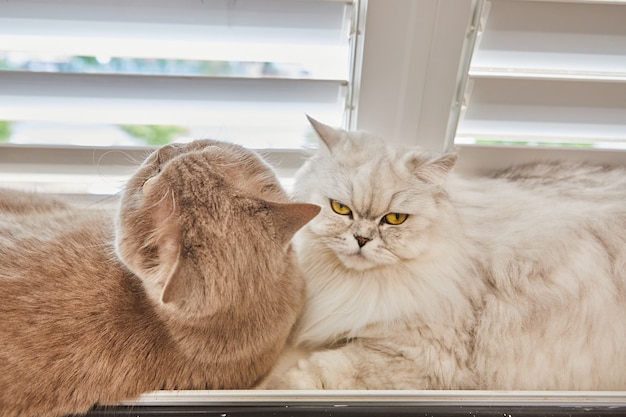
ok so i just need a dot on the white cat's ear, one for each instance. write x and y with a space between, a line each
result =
329 135
288 218
432 170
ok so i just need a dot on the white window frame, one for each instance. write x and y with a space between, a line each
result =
417 100
409 65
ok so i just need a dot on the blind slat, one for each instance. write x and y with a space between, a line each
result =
554 37
548 72
90 72
540 110
154 99
256 112
217 30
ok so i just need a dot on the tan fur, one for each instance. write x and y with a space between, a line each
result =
193 286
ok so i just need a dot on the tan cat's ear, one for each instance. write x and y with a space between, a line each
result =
329 135
169 253
148 185
434 170
166 237
290 217
176 287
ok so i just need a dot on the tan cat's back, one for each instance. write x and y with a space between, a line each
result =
191 283
20 212
20 202
58 247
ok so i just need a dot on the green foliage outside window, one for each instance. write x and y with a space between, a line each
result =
154 135
5 131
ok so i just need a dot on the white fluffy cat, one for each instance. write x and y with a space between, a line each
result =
421 279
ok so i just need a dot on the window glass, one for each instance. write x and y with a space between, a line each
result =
136 73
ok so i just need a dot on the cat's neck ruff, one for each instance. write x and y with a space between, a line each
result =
342 302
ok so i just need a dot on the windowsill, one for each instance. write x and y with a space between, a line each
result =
344 403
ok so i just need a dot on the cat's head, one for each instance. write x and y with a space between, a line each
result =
379 202
206 226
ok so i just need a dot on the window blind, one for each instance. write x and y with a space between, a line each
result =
548 73
125 74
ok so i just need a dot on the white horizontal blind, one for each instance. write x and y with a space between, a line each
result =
548 73
86 85
240 70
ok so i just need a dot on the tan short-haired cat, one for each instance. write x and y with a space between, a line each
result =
419 278
192 285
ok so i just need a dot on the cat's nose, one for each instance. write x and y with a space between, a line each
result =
361 240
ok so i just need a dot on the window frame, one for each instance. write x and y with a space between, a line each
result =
416 108
415 101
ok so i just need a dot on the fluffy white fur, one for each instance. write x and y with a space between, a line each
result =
512 282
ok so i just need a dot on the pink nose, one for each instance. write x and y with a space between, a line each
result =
361 240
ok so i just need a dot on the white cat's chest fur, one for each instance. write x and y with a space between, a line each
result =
343 302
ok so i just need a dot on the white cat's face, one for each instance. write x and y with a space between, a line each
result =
376 210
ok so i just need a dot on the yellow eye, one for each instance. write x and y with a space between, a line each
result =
395 218
340 208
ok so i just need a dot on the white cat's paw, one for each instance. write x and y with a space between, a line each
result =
322 370
302 376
